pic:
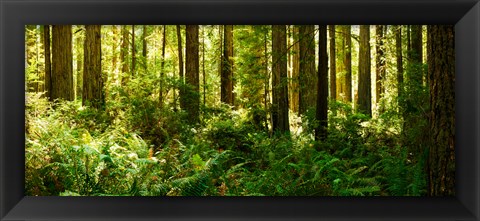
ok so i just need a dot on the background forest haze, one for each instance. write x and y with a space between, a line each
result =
239 110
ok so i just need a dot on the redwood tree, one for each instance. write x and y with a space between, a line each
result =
441 74
62 66
333 66
227 66
398 49
307 75
364 100
347 62
192 98
280 87
322 85
93 93
48 65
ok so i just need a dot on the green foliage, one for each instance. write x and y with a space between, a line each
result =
143 145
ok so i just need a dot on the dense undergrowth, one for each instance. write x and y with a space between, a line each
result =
140 149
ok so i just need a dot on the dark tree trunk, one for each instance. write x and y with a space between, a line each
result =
347 62
93 93
441 70
322 85
398 46
380 65
62 66
48 65
227 66
192 98
162 64
144 49
333 66
364 100
204 84
307 74
133 50
180 68
280 80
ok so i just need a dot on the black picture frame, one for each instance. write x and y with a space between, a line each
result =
15 14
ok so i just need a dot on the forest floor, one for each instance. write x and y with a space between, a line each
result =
142 150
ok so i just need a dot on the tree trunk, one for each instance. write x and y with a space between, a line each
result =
144 49
364 100
162 64
322 85
307 74
93 93
398 46
333 66
295 96
133 50
180 68
62 66
441 70
280 80
347 62
204 82
192 74
380 65
48 65
227 66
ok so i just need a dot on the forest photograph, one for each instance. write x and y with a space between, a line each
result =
239 110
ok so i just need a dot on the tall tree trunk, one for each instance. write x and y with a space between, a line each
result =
380 65
339 65
124 54
441 70
62 66
307 74
295 96
227 66
144 49
322 85
133 50
347 62
398 46
93 93
162 64
48 65
204 83
333 66
364 100
280 80
180 68
192 103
